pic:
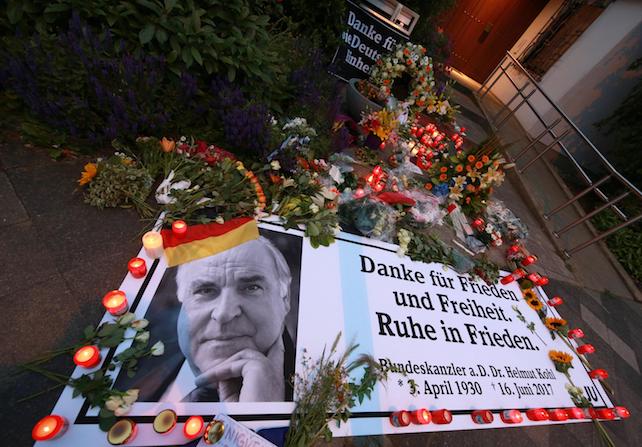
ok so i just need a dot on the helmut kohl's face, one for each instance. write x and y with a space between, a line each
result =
231 301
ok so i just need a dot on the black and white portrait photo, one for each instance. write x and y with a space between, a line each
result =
228 322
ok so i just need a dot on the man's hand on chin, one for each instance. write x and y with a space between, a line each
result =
260 381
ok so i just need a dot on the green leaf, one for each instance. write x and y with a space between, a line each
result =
169 5
56 7
14 11
147 33
171 56
89 332
186 55
231 73
197 56
161 35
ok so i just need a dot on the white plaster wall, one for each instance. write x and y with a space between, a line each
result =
562 80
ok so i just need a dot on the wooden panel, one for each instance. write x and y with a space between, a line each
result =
482 31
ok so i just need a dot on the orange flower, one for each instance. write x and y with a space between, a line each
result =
470 188
276 179
479 165
468 199
406 51
167 145
469 168
443 177
459 168
386 81
443 169
421 103
91 169
471 158
428 186
485 158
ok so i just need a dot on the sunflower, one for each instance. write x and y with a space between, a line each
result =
529 294
91 169
555 324
534 304
560 357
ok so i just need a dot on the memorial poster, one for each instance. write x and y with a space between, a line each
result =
235 325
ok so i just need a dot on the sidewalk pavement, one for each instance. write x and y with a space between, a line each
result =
58 256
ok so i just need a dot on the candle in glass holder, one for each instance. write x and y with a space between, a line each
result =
441 416
542 281
511 416
513 249
507 279
519 273
115 302
599 373
576 333
420 417
528 260
48 428
622 412
575 413
400 418
165 421
586 349
478 224
555 301
534 277
179 228
137 267
537 414
122 432
482 416
214 432
557 415
87 356
605 413
153 244
193 427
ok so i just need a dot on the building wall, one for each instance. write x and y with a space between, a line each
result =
590 80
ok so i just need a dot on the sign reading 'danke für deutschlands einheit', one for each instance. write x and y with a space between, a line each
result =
365 39
446 340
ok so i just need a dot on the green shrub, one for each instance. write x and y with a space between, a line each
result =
212 36
625 244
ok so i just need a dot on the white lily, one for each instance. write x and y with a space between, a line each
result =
139 325
158 349
163 192
142 337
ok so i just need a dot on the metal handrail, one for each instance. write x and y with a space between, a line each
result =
502 71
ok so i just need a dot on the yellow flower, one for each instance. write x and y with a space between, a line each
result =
167 145
555 324
534 304
529 294
88 174
560 357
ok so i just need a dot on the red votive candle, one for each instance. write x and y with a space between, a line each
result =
511 416
599 373
555 301
575 413
478 223
605 413
528 260
519 273
400 418
576 333
137 267
193 427
482 416
586 349
179 228
507 279
557 415
441 416
537 414
534 277
87 356
359 193
622 412
115 302
542 281
513 249
48 428
420 417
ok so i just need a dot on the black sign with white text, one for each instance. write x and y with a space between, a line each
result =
365 39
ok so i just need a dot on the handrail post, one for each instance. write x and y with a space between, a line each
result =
599 237
575 198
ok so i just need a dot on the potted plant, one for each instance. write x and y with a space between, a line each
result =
361 97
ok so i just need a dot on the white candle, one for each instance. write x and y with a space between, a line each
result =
153 244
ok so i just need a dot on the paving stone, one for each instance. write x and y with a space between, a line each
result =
24 258
12 209
14 154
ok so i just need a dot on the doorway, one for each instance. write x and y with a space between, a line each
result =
481 31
